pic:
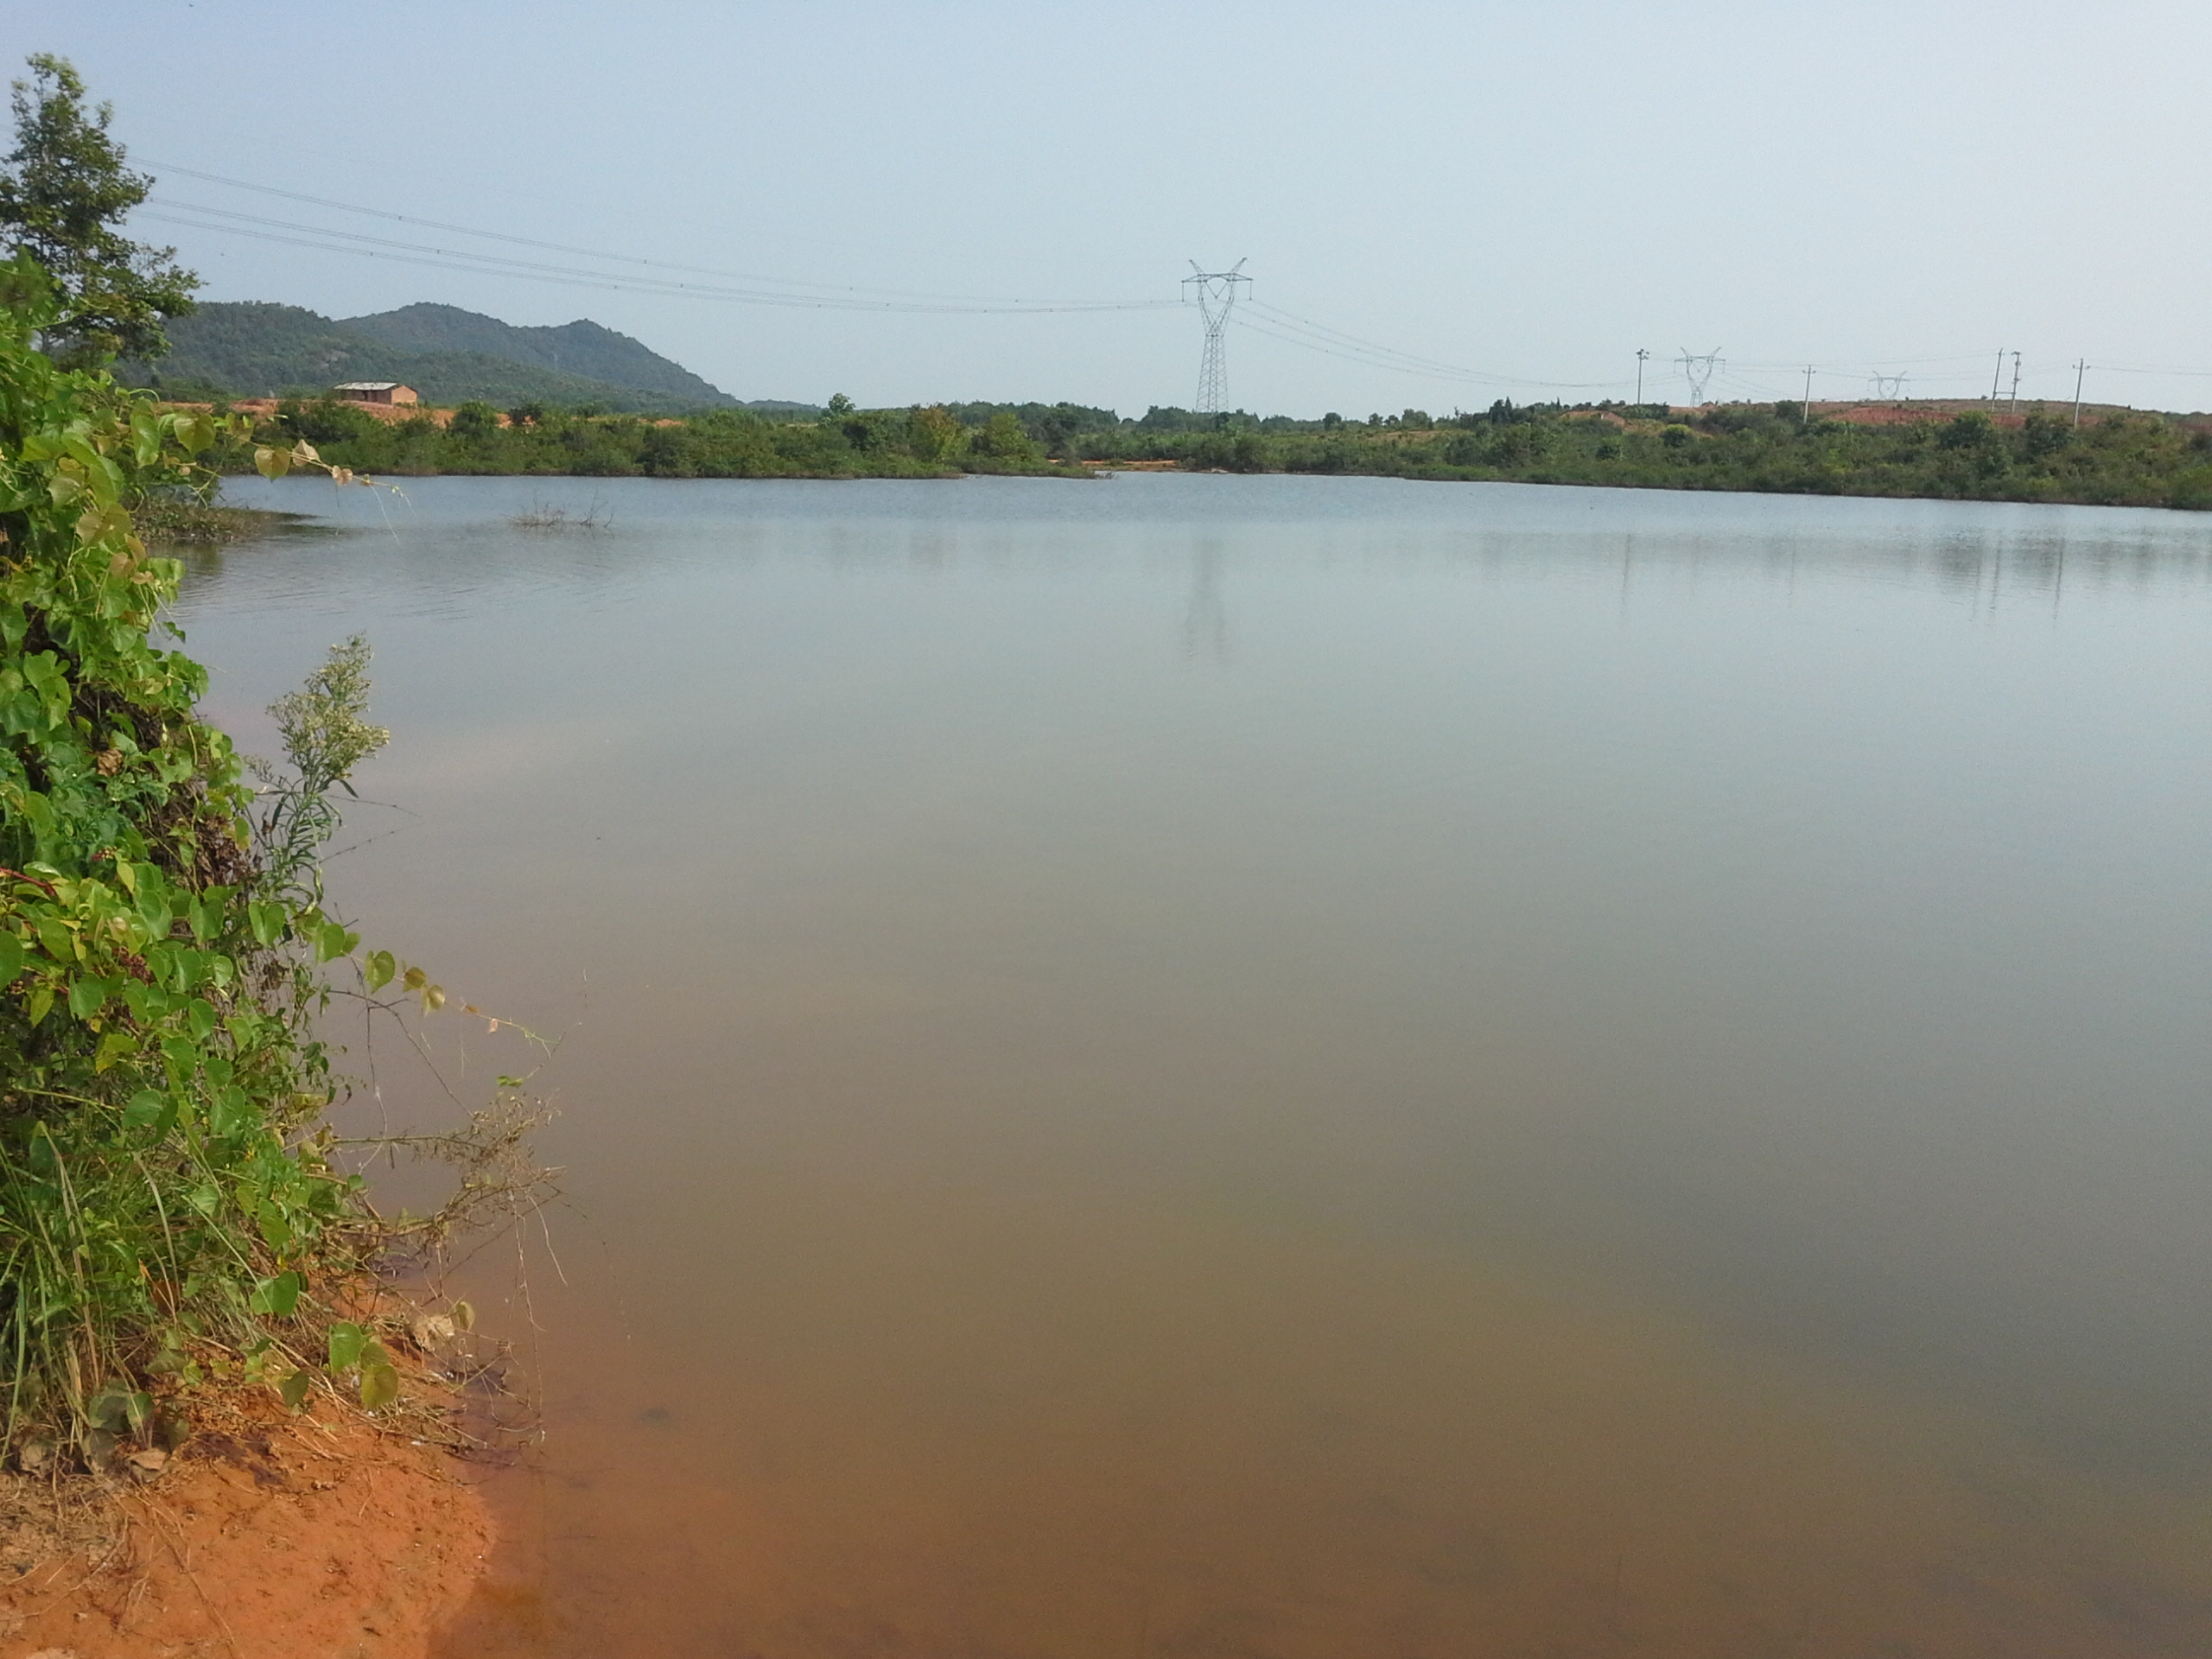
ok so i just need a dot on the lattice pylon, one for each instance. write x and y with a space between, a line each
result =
1216 292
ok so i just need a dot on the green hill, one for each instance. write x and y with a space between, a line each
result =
254 348
581 349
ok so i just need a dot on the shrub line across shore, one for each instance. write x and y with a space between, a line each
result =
2113 457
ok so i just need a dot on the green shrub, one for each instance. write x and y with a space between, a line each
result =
163 1187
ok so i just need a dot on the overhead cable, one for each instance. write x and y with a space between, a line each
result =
357 242
570 248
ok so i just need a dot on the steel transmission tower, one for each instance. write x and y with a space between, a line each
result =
1216 291
1697 369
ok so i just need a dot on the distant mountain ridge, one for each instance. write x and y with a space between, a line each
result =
258 348
583 348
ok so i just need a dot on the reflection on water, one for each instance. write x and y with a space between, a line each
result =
1205 624
1620 1074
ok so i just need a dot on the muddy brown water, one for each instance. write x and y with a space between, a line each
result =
1206 1066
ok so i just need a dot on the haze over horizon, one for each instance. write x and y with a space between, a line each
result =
1533 194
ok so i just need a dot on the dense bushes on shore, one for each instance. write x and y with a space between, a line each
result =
725 443
2113 459
2120 459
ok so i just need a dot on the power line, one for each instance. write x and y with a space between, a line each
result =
1489 382
565 247
357 242
1368 348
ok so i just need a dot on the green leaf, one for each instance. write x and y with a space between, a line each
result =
11 957
347 1341
146 1108
293 1389
377 970
278 1296
87 997
200 1019
379 1386
56 940
230 1111
42 1000
109 1409
266 920
275 1227
273 463
113 1047
333 941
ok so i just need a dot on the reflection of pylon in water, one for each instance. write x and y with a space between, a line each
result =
1216 291
1205 623
1697 369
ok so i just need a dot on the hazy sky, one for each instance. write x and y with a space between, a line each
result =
1528 190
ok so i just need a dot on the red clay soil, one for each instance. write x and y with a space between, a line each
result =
307 1537
265 408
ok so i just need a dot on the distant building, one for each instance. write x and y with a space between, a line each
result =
376 391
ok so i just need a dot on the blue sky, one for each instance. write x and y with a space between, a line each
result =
1527 191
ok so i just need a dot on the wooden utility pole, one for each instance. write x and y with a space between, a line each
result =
2079 369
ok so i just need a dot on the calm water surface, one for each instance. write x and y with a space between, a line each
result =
1206 1067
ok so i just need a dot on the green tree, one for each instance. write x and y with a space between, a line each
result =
1058 427
1003 439
932 433
62 195
475 419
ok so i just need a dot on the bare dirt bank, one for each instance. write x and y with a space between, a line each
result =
311 1537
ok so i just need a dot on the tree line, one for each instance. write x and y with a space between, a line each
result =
2123 459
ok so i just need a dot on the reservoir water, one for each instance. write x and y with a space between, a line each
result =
1200 1067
